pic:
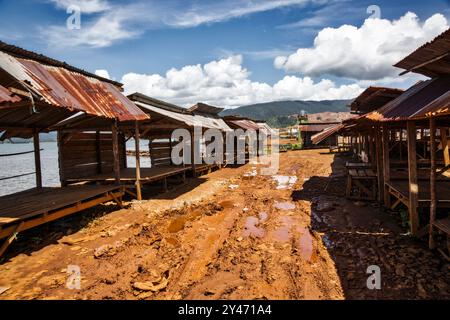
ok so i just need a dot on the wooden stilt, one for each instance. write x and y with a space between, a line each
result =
433 198
445 147
10 239
37 159
379 161
386 165
194 174
115 143
413 185
138 161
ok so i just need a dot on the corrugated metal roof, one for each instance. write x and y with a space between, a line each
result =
315 127
60 87
415 102
328 132
8 96
205 108
27 54
432 59
245 124
188 119
373 98
264 127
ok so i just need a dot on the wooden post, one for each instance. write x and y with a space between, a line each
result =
379 161
386 165
37 159
138 161
98 151
413 184
115 144
193 153
62 175
433 198
445 148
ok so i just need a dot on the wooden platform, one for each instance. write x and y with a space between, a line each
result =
361 181
128 175
443 225
28 209
400 190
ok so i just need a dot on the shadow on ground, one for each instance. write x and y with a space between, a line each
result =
361 234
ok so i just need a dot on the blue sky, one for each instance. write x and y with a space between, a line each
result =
146 39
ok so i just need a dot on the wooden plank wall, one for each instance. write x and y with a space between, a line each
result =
160 151
85 154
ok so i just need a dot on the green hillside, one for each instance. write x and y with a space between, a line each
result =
277 113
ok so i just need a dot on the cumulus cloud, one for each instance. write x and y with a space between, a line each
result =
114 22
226 83
364 53
102 73
86 6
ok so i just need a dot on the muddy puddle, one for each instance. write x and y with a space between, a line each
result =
284 182
286 205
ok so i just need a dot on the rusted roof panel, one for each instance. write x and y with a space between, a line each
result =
8 96
324 134
432 59
205 108
18 52
415 102
71 90
315 127
245 124
373 98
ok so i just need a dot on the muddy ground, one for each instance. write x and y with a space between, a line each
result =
232 234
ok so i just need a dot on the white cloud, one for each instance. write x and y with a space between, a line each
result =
115 22
102 73
226 83
217 11
86 6
109 28
364 53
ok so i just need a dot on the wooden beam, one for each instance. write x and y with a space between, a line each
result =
379 161
115 143
445 147
386 164
138 161
433 198
37 159
413 185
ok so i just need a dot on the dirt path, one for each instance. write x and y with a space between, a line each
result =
232 234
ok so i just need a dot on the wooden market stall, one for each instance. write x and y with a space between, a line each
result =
247 134
36 93
433 60
162 119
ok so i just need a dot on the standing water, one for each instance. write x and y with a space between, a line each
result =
24 163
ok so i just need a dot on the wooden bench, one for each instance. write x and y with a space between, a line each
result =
361 181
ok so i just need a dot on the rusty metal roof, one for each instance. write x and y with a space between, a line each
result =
432 59
415 102
27 54
373 98
205 108
328 132
61 87
244 124
315 127
8 96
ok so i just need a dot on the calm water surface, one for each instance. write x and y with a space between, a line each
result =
21 164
